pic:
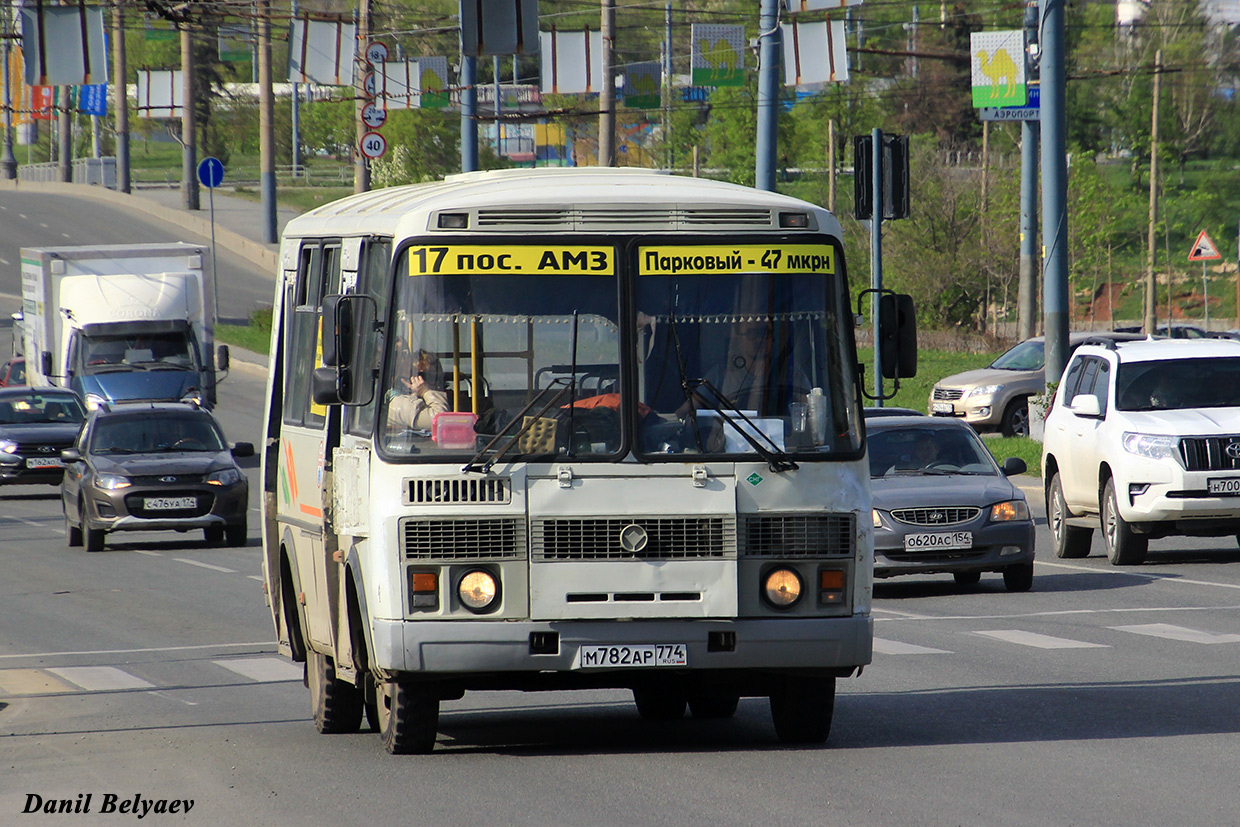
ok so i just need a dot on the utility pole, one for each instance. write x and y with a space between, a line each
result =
361 167
607 92
831 165
295 112
266 124
469 114
1027 291
1054 188
1151 293
668 86
8 163
189 148
65 119
120 83
769 60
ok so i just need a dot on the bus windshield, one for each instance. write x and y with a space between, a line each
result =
470 351
762 349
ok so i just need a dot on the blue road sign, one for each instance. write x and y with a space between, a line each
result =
210 172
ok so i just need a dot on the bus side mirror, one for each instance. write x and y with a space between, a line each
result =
345 318
45 363
221 357
330 386
897 334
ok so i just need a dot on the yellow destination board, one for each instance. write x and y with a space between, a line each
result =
472 259
737 258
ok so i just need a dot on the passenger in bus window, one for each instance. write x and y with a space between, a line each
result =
426 397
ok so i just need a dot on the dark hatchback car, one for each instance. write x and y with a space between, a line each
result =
150 466
942 504
35 423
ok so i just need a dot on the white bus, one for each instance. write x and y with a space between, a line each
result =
566 429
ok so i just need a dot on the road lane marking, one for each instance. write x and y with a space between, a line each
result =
31 682
1170 578
97 678
264 646
1166 630
1040 641
1064 613
895 647
205 565
263 670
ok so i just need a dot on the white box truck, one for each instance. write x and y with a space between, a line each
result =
122 322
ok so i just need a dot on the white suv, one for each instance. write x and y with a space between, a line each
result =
1144 439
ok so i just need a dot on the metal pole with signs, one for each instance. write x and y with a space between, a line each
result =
1204 249
211 175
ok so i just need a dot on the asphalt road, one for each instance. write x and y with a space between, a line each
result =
1103 696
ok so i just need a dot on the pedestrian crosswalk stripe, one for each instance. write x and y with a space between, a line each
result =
97 678
1166 630
264 670
1040 641
895 647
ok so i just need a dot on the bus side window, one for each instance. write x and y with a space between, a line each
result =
318 270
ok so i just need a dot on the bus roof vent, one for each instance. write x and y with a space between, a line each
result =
454 490
754 218
525 218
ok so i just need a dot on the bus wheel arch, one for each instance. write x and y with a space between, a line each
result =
289 607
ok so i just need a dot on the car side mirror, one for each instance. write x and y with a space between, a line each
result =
243 449
1013 466
70 455
1085 404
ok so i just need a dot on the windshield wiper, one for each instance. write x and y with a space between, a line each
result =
776 458
568 384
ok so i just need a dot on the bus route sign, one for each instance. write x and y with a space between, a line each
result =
736 258
463 259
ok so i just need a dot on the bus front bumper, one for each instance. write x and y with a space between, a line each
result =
837 644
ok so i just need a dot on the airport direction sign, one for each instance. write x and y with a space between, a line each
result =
1031 111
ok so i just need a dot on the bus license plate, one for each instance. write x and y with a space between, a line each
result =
169 503
43 462
1224 485
941 539
642 655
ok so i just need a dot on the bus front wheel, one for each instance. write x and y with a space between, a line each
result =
408 717
802 709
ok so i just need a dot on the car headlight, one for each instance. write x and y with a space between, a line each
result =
1011 510
782 588
478 590
8 446
94 401
878 520
1152 446
229 476
112 482
983 390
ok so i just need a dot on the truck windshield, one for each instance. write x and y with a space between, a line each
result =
150 351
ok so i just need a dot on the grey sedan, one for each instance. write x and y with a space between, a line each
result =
942 504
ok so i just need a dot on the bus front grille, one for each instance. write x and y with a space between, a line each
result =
464 538
800 535
659 538
492 490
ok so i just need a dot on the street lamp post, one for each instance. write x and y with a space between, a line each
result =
8 163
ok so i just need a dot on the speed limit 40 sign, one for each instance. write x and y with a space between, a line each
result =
373 145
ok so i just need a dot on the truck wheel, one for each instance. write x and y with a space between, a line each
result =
1124 546
1016 418
802 709
73 533
408 717
713 704
661 703
1069 541
337 705
94 538
1018 577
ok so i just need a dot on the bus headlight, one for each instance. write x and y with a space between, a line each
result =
782 588
478 590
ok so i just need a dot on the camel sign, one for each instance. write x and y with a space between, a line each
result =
998 68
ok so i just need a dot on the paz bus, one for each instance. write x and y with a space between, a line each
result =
567 429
